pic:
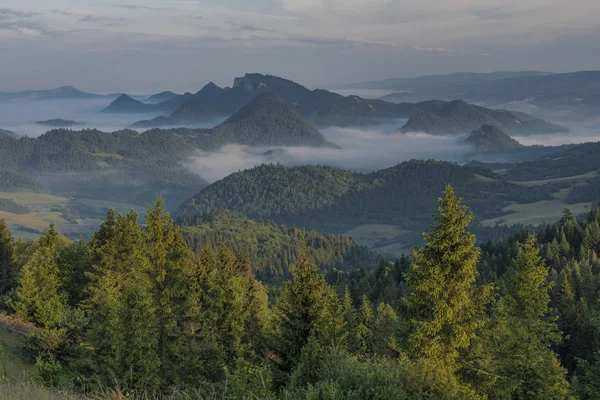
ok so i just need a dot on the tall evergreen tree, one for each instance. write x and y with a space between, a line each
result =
170 265
118 279
445 307
8 269
529 367
302 312
39 298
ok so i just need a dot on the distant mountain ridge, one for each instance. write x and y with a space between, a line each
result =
61 93
162 96
319 107
567 95
443 80
127 104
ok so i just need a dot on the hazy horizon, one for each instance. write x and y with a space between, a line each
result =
136 46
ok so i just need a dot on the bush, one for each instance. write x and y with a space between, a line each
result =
342 376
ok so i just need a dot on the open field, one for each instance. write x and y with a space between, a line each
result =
539 212
47 209
34 200
35 220
589 175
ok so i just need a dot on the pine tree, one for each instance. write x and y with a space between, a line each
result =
119 286
445 307
39 297
170 265
8 270
384 330
365 325
302 312
529 367
51 237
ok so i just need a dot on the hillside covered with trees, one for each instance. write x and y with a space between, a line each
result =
403 195
136 310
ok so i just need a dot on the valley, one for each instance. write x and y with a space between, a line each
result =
271 124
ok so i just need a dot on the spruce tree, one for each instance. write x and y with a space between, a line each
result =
445 307
39 298
528 366
8 269
302 313
119 279
170 265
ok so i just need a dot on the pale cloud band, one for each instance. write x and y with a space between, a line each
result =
362 28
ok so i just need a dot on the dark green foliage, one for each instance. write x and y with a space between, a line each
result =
304 313
272 249
528 368
10 206
12 182
340 376
575 160
445 307
8 268
403 195
39 292
136 309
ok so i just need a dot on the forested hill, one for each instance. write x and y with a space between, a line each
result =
135 313
491 139
267 120
334 200
11 181
574 160
458 117
272 250
11 134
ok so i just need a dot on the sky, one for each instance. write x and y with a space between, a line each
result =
147 46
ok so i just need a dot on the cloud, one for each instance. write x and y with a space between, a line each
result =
433 49
135 7
21 24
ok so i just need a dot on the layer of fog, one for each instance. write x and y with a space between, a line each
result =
20 116
582 132
363 150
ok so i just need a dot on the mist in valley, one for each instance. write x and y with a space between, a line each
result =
20 116
362 150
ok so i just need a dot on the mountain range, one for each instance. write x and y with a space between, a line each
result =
564 95
61 93
319 107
